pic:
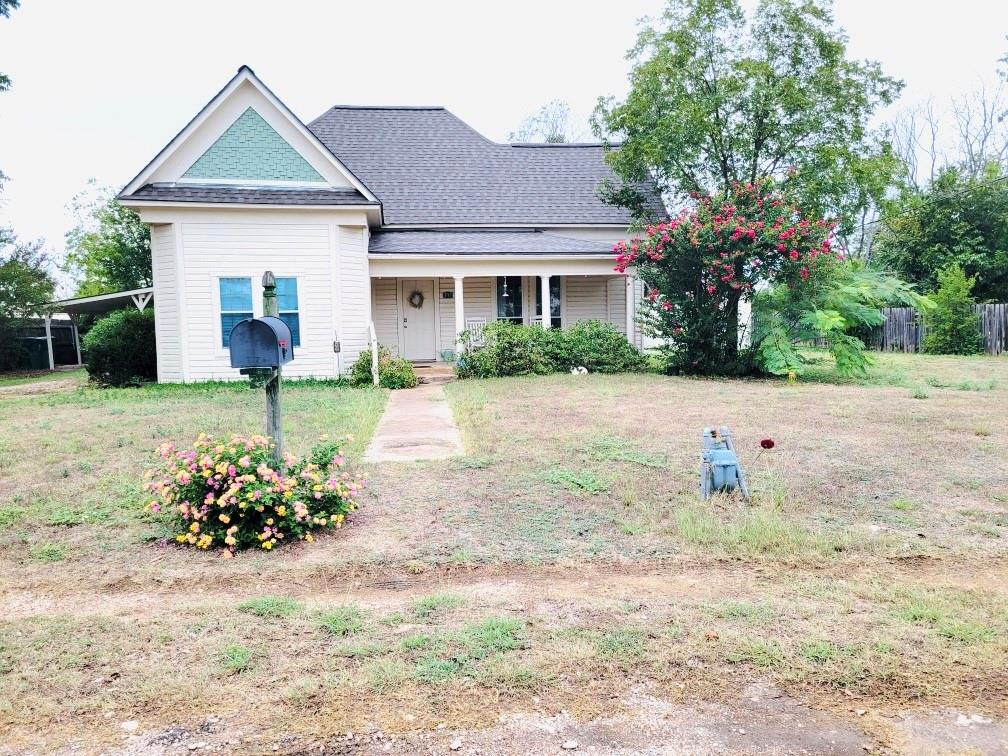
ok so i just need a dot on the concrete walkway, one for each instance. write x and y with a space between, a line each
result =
417 424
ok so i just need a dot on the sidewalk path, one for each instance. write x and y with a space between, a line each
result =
417 424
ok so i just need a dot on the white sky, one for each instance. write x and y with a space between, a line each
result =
99 87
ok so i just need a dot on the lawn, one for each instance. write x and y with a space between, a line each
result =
562 569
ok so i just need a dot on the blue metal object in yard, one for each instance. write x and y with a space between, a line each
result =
720 470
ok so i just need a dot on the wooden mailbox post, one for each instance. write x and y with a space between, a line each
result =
259 349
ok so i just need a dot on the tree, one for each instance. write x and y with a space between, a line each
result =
109 248
952 326
25 283
6 6
550 124
957 220
718 98
700 265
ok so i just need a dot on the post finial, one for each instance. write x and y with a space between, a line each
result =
269 280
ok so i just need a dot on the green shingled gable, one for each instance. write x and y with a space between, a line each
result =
251 149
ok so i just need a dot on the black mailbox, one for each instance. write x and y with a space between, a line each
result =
261 343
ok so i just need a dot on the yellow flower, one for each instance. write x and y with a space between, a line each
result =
308 537
194 527
281 510
269 521
267 545
224 518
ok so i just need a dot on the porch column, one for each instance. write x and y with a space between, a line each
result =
48 338
630 286
459 315
547 312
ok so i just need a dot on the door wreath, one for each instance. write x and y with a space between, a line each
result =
416 299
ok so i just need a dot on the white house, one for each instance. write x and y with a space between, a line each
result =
403 218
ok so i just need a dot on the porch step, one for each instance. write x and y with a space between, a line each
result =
434 373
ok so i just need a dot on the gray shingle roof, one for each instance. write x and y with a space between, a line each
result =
248 195
427 166
487 242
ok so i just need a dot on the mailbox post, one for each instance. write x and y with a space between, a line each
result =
259 349
274 416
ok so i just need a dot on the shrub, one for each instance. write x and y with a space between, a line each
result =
952 325
393 372
120 348
515 349
228 494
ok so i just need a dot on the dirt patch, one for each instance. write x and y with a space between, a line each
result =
39 387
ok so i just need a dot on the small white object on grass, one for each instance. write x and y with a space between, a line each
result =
570 745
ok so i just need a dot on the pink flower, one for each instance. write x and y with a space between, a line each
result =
245 461
794 254
804 273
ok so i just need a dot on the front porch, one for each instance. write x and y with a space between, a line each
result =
421 318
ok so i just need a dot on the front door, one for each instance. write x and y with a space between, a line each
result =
418 318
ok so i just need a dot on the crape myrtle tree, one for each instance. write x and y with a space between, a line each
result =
753 244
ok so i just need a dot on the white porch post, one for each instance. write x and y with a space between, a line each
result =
459 315
547 312
630 308
48 338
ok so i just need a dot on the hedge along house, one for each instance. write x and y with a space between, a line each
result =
403 222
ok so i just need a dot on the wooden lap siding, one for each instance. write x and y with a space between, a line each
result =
215 250
166 303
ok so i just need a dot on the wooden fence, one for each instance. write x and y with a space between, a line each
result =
903 330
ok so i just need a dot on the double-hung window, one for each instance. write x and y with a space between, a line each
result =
235 304
287 299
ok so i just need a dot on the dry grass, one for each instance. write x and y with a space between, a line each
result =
565 558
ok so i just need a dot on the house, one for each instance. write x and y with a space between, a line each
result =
403 221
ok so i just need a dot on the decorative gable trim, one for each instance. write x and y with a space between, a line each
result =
251 150
246 76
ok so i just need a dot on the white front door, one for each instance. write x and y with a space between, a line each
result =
418 321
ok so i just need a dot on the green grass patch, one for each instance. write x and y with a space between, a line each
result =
741 610
428 606
270 606
584 481
759 653
235 658
819 651
624 644
342 620
48 552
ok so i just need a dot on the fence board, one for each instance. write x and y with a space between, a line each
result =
903 330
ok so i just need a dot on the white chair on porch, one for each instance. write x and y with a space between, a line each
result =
475 327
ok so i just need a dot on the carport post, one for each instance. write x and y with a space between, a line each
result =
73 320
274 416
48 338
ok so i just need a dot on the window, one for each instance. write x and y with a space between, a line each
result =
287 301
554 286
509 298
235 304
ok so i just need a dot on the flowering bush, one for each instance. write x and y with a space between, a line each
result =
754 245
227 494
699 265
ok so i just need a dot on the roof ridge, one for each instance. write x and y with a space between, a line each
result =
387 107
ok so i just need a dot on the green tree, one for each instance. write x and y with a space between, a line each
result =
952 325
109 248
6 6
957 220
25 283
717 97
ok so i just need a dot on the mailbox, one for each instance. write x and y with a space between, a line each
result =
261 343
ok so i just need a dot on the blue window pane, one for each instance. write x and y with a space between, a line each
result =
236 294
228 320
287 297
294 323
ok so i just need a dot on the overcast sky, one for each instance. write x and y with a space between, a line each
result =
100 86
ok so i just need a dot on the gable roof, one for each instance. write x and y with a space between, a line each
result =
250 195
244 74
482 242
428 167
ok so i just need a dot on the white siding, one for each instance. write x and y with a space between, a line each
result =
354 300
478 302
595 298
385 311
212 250
166 303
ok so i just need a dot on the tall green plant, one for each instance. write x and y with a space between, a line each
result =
952 325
